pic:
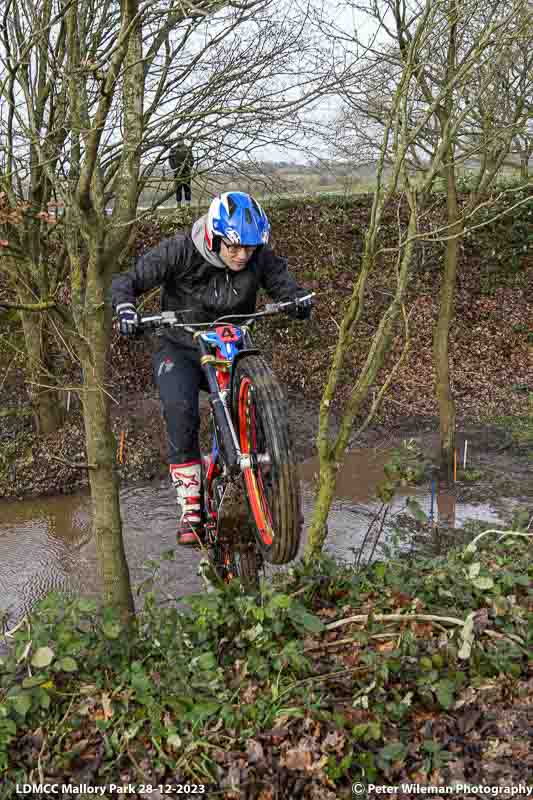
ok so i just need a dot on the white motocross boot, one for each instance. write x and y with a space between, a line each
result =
187 480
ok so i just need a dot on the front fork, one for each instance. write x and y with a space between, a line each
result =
228 442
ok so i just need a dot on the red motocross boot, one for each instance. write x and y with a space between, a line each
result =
187 480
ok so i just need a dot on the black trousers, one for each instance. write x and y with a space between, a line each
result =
179 377
184 185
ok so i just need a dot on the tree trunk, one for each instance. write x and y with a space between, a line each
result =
446 503
47 410
101 455
319 526
524 165
332 454
442 330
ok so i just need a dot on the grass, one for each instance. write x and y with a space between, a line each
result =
520 427
304 189
295 184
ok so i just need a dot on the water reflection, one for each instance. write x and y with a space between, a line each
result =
46 544
355 508
39 540
446 506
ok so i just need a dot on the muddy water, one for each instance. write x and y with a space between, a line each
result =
45 544
354 510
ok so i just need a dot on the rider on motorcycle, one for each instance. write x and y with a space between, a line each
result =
215 270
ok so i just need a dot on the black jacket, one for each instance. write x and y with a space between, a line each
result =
190 283
181 160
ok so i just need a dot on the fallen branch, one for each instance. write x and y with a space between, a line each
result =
349 640
504 635
71 463
472 546
324 676
394 618
17 627
422 617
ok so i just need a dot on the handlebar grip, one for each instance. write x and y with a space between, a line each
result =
273 308
149 323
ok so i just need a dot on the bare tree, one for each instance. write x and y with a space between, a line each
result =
26 191
428 69
91 98
477 44
492 99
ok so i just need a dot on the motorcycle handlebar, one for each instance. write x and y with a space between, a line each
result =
168 319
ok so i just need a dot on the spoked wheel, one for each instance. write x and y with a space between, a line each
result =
233 553
238 560
223 561
271 483
247 562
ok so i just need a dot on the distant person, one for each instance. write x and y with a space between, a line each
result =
181 160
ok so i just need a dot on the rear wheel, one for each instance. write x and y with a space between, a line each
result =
271 482
247 562
241 561
234 551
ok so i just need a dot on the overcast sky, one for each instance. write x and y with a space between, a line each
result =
325 111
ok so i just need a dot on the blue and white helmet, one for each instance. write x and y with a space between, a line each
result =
237 217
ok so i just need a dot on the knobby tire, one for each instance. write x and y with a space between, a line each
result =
272 490
237 560
246 562
236 556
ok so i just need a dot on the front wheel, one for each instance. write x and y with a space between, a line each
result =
271 482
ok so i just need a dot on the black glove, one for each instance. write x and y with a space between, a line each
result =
128 319
302 309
